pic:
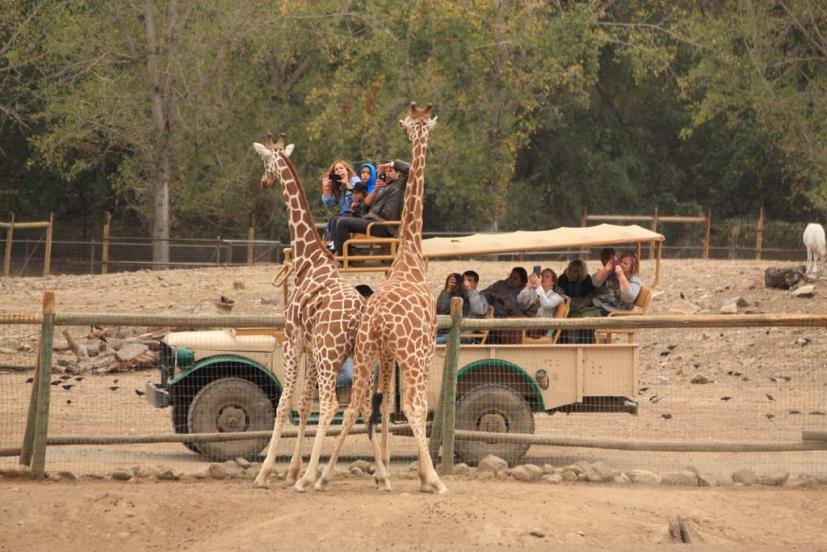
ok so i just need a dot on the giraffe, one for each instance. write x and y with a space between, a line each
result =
399 325
321 318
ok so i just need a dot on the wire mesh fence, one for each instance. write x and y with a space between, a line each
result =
718 399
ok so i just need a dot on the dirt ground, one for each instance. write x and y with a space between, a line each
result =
776 380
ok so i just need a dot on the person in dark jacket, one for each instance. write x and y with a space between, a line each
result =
386 205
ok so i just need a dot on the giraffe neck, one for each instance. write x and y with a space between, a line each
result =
409 255
308 250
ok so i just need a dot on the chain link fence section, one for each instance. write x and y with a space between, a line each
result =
18 356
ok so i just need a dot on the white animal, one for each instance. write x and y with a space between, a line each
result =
816 247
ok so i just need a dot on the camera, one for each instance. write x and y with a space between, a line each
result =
537 270
383 176
333 177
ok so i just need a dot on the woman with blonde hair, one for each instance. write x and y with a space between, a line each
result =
336 185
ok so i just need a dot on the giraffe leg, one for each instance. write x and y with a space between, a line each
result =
386 375
290 374
416 410
327 391
363 361
304 413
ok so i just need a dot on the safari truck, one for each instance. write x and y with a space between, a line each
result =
230 380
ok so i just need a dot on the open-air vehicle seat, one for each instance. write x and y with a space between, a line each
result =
640 306
369 253
561 312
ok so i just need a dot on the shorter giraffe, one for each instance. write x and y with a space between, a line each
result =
321 318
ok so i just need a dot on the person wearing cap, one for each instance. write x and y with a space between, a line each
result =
385 203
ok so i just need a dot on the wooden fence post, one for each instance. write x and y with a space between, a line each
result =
585 220
47 256
654 229
218 251
707 233
251 236
105 245
44 368
759 235
7 256
442 430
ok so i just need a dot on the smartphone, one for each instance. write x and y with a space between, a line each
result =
537 270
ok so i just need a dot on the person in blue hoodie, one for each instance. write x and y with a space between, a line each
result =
367 175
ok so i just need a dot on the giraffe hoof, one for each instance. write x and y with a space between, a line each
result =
321 485
302 485
260 484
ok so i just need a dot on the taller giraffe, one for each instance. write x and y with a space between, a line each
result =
321 317
399 325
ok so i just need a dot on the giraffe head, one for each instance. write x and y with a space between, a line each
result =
418 120
269 152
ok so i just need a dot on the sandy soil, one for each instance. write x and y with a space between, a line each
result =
102 515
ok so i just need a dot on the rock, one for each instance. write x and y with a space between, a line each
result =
774 479
643 477
483 475
729 308
242 462
493 464
804 291
700 379
802 341
121 475
238 284
599 472
548 468
537 533
568 475
250 472
686 478
101 364
357 471
131 351
553 478
802 481
217 471
784 278
167 474
461 469
621 479
683 307
744 476
527 472
144 471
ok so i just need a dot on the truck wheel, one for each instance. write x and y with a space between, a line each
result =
230 405
493 408
180 408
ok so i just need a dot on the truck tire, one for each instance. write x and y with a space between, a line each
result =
493 408
180 408
230 405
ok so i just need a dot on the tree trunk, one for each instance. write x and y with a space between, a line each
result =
163 156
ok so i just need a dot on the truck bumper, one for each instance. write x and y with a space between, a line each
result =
157 396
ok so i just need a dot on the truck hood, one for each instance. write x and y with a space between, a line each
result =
222 340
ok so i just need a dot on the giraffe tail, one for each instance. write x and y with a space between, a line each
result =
375 414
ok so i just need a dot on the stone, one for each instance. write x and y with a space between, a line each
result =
643 477
250 472
801 481
548 468
483 475
686 478
242 462
804 291
493 464
568 475
537 533
621 479
65 474
773 479
527 472
729 308
598 472
683 307
699 379
232 469
121 475
357 471
461 469
144 471
217 471
744 476
553 478
363 465
238 284
784 278
130 351
167 474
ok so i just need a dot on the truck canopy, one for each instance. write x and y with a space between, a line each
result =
539 240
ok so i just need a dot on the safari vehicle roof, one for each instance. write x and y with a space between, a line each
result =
539 240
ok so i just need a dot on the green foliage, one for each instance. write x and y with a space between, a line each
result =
545 108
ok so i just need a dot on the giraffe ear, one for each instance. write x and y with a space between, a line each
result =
288 150
264 152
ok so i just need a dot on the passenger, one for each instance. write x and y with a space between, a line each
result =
357 209
387 205
476 301
576 283
539 295
453 288
502 294
618 283
336 186
367 175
